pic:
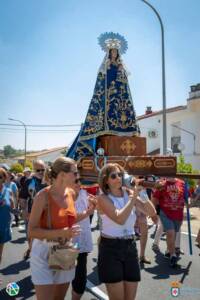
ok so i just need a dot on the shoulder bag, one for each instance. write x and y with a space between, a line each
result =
61 256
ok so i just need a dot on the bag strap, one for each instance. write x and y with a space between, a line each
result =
48 209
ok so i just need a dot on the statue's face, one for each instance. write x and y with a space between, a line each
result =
114 53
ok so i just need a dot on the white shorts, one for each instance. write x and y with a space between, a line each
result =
40 271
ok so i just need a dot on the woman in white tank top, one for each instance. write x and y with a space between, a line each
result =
118 265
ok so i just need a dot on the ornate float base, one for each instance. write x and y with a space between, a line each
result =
122 145
136 165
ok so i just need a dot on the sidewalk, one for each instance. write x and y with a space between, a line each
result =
194 218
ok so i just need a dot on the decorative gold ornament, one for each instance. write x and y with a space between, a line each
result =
128 147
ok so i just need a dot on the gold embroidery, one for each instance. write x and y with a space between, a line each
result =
128 147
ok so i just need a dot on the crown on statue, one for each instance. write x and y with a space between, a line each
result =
175 284
111 40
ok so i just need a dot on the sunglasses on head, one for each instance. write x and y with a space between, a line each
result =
114 175
40 170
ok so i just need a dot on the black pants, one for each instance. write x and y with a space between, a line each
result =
79 282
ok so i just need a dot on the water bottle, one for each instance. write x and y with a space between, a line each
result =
143 196
128 181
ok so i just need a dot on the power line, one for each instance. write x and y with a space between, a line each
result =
42 125
38 130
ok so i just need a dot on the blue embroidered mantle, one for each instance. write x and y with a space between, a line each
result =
110 112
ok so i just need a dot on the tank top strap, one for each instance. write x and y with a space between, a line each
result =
124 195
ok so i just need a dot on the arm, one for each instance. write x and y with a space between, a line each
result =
84 214
154 201
119 216
91 200
147 208
12 204
15 194
34 230
145 205
17 199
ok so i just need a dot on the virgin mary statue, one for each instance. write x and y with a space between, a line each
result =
111 110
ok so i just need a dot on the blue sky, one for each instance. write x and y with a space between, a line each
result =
49 57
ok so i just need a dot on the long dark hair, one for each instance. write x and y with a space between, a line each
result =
109 55
104 174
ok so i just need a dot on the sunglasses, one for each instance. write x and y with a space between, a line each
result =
1 177
77 181
75 173
40 170
115 175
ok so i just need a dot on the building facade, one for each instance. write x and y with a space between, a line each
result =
183 129
48 156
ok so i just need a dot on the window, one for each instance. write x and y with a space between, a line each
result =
175 141
152 133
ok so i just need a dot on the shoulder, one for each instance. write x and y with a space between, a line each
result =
83 193
157 193
28 180
70 193
102 197
42 195
7 190
180 181
82 196
14 186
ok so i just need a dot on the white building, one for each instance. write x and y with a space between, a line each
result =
48 156
183 129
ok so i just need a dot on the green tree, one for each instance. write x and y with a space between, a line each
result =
8 151
29 164
16 168
183 167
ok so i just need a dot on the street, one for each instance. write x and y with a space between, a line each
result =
156 278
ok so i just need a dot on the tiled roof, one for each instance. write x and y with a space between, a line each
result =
40 153
159 112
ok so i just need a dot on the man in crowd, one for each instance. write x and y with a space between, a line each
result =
171 201
22 183
31 186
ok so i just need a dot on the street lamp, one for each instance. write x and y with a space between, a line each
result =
25 133
163 79
189 132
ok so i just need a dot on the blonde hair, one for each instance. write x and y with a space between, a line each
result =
104 174
3 173
61 164
47 176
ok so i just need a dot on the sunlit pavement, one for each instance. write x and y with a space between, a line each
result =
156 281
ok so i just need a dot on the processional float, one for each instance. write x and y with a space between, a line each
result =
110 133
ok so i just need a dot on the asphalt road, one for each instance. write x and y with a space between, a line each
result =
156 278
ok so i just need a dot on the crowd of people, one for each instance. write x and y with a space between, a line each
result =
56 209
